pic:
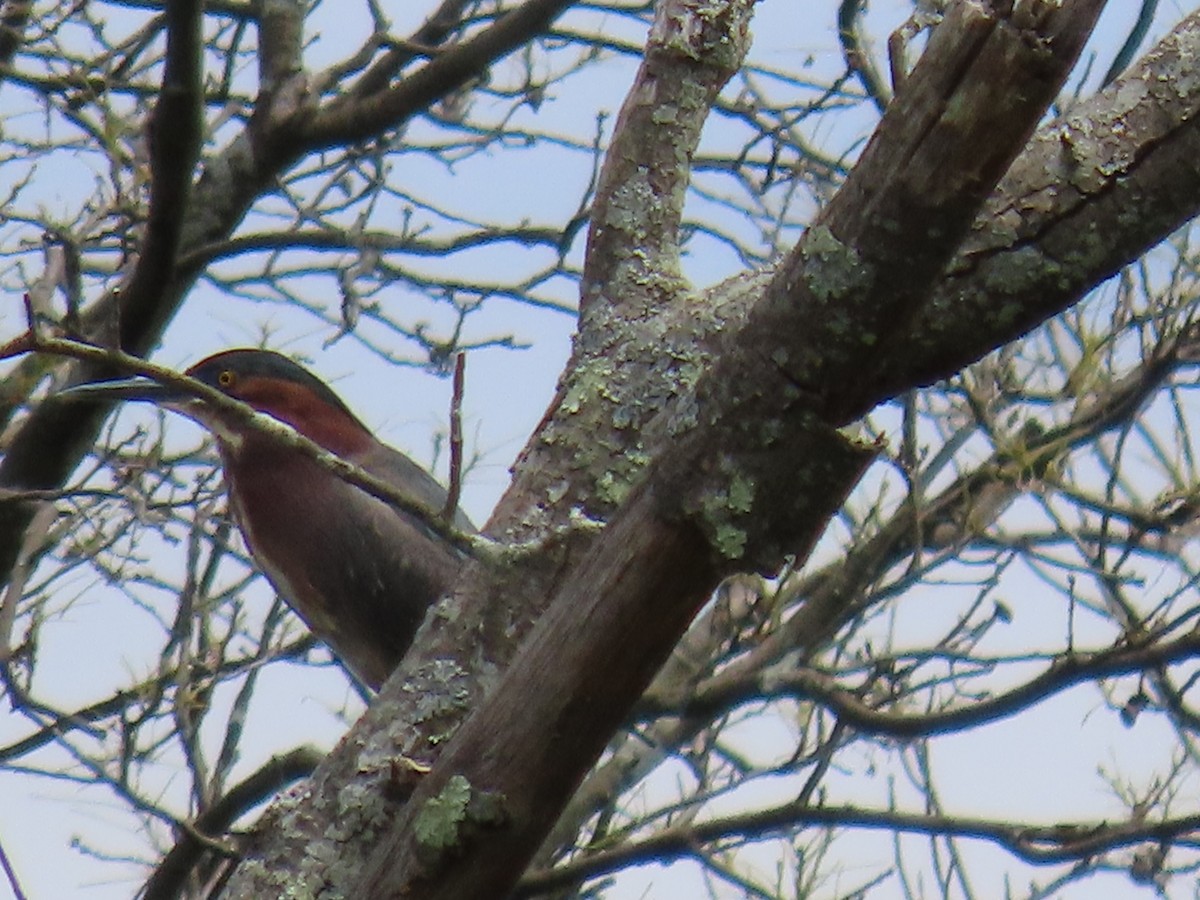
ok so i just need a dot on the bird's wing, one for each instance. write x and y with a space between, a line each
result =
405 475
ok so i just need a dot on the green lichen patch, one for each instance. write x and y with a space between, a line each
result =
730 541
723 508
439 823
832 269
741 493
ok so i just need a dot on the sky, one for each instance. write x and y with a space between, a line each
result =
507 393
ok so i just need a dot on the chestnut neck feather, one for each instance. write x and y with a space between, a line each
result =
335 429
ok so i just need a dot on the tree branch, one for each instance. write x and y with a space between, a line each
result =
706 503
352 118
176 129
1091 192
170 875
633 244
1042 845
1073 668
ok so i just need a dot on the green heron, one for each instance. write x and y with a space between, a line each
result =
361 573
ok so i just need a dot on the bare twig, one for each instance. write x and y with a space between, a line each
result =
454 489
245 414
11 874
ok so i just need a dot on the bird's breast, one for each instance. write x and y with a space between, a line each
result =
357 571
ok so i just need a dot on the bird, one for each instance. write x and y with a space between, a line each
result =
360 572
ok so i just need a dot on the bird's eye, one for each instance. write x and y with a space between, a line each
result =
226 378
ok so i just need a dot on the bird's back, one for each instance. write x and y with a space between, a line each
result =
361 573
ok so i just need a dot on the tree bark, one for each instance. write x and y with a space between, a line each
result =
798 351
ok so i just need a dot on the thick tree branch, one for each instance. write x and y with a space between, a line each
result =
633 243
280 43
176 130
1091 192
353 118
860 273
474 634
612 618
731 531
748 497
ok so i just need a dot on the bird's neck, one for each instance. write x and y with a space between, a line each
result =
266 449
334 431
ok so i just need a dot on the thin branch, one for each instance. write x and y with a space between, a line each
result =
169 876
1041 845
858 58
352 118
1064 673
456 439
1133 41
11 874
245 414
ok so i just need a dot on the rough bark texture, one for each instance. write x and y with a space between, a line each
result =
693 434
800 350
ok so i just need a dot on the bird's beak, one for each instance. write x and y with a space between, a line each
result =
138 388
162 395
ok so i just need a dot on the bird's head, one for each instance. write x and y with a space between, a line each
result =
267 381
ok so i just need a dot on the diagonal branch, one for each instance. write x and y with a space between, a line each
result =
634 235
1064 672
757 476
855 280
176 129
170 875
1043 845
1092 191
433 32
353 118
